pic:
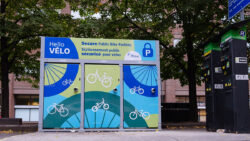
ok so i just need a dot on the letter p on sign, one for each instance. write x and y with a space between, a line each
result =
147 50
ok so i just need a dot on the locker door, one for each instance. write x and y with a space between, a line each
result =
140 96
102 96
62 94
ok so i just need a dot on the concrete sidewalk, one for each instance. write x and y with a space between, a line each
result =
165 135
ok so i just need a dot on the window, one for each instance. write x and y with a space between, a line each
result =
27 100
182 99
201 102
185 99
163 98
163 95
26 107
27 113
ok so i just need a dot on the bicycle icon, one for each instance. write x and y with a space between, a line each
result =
133 115
63 111
104 79
99 105
136 89
67 81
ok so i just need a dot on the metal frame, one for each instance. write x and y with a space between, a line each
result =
82 64
82 96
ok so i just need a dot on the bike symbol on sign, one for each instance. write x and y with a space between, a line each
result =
136 89
133 115
105 80
67 82
99 105
63 111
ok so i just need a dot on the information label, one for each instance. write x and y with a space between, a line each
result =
218 86
100 49
241 77
241 60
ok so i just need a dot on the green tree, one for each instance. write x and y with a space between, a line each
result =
154 19
199 20
21 24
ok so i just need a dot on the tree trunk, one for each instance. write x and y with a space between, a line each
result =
4 67
193 115
4 81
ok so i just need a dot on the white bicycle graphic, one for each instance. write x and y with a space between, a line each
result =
136 89
133 115
99 105
67 81
105 80
63 111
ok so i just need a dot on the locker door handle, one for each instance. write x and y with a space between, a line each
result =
153 90
75 89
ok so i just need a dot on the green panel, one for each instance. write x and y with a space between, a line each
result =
211 46
101 77
235 34
102 103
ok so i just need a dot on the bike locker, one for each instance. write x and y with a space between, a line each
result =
62 88
99 85
140 96
102 96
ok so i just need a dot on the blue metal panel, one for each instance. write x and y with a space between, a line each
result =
235 6
140 96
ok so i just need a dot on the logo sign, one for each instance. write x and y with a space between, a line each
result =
242 33
60 48
241 60
132 55
147 50
218 86
235 6
241 77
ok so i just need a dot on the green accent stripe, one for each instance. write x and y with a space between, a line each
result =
211 46
234 34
